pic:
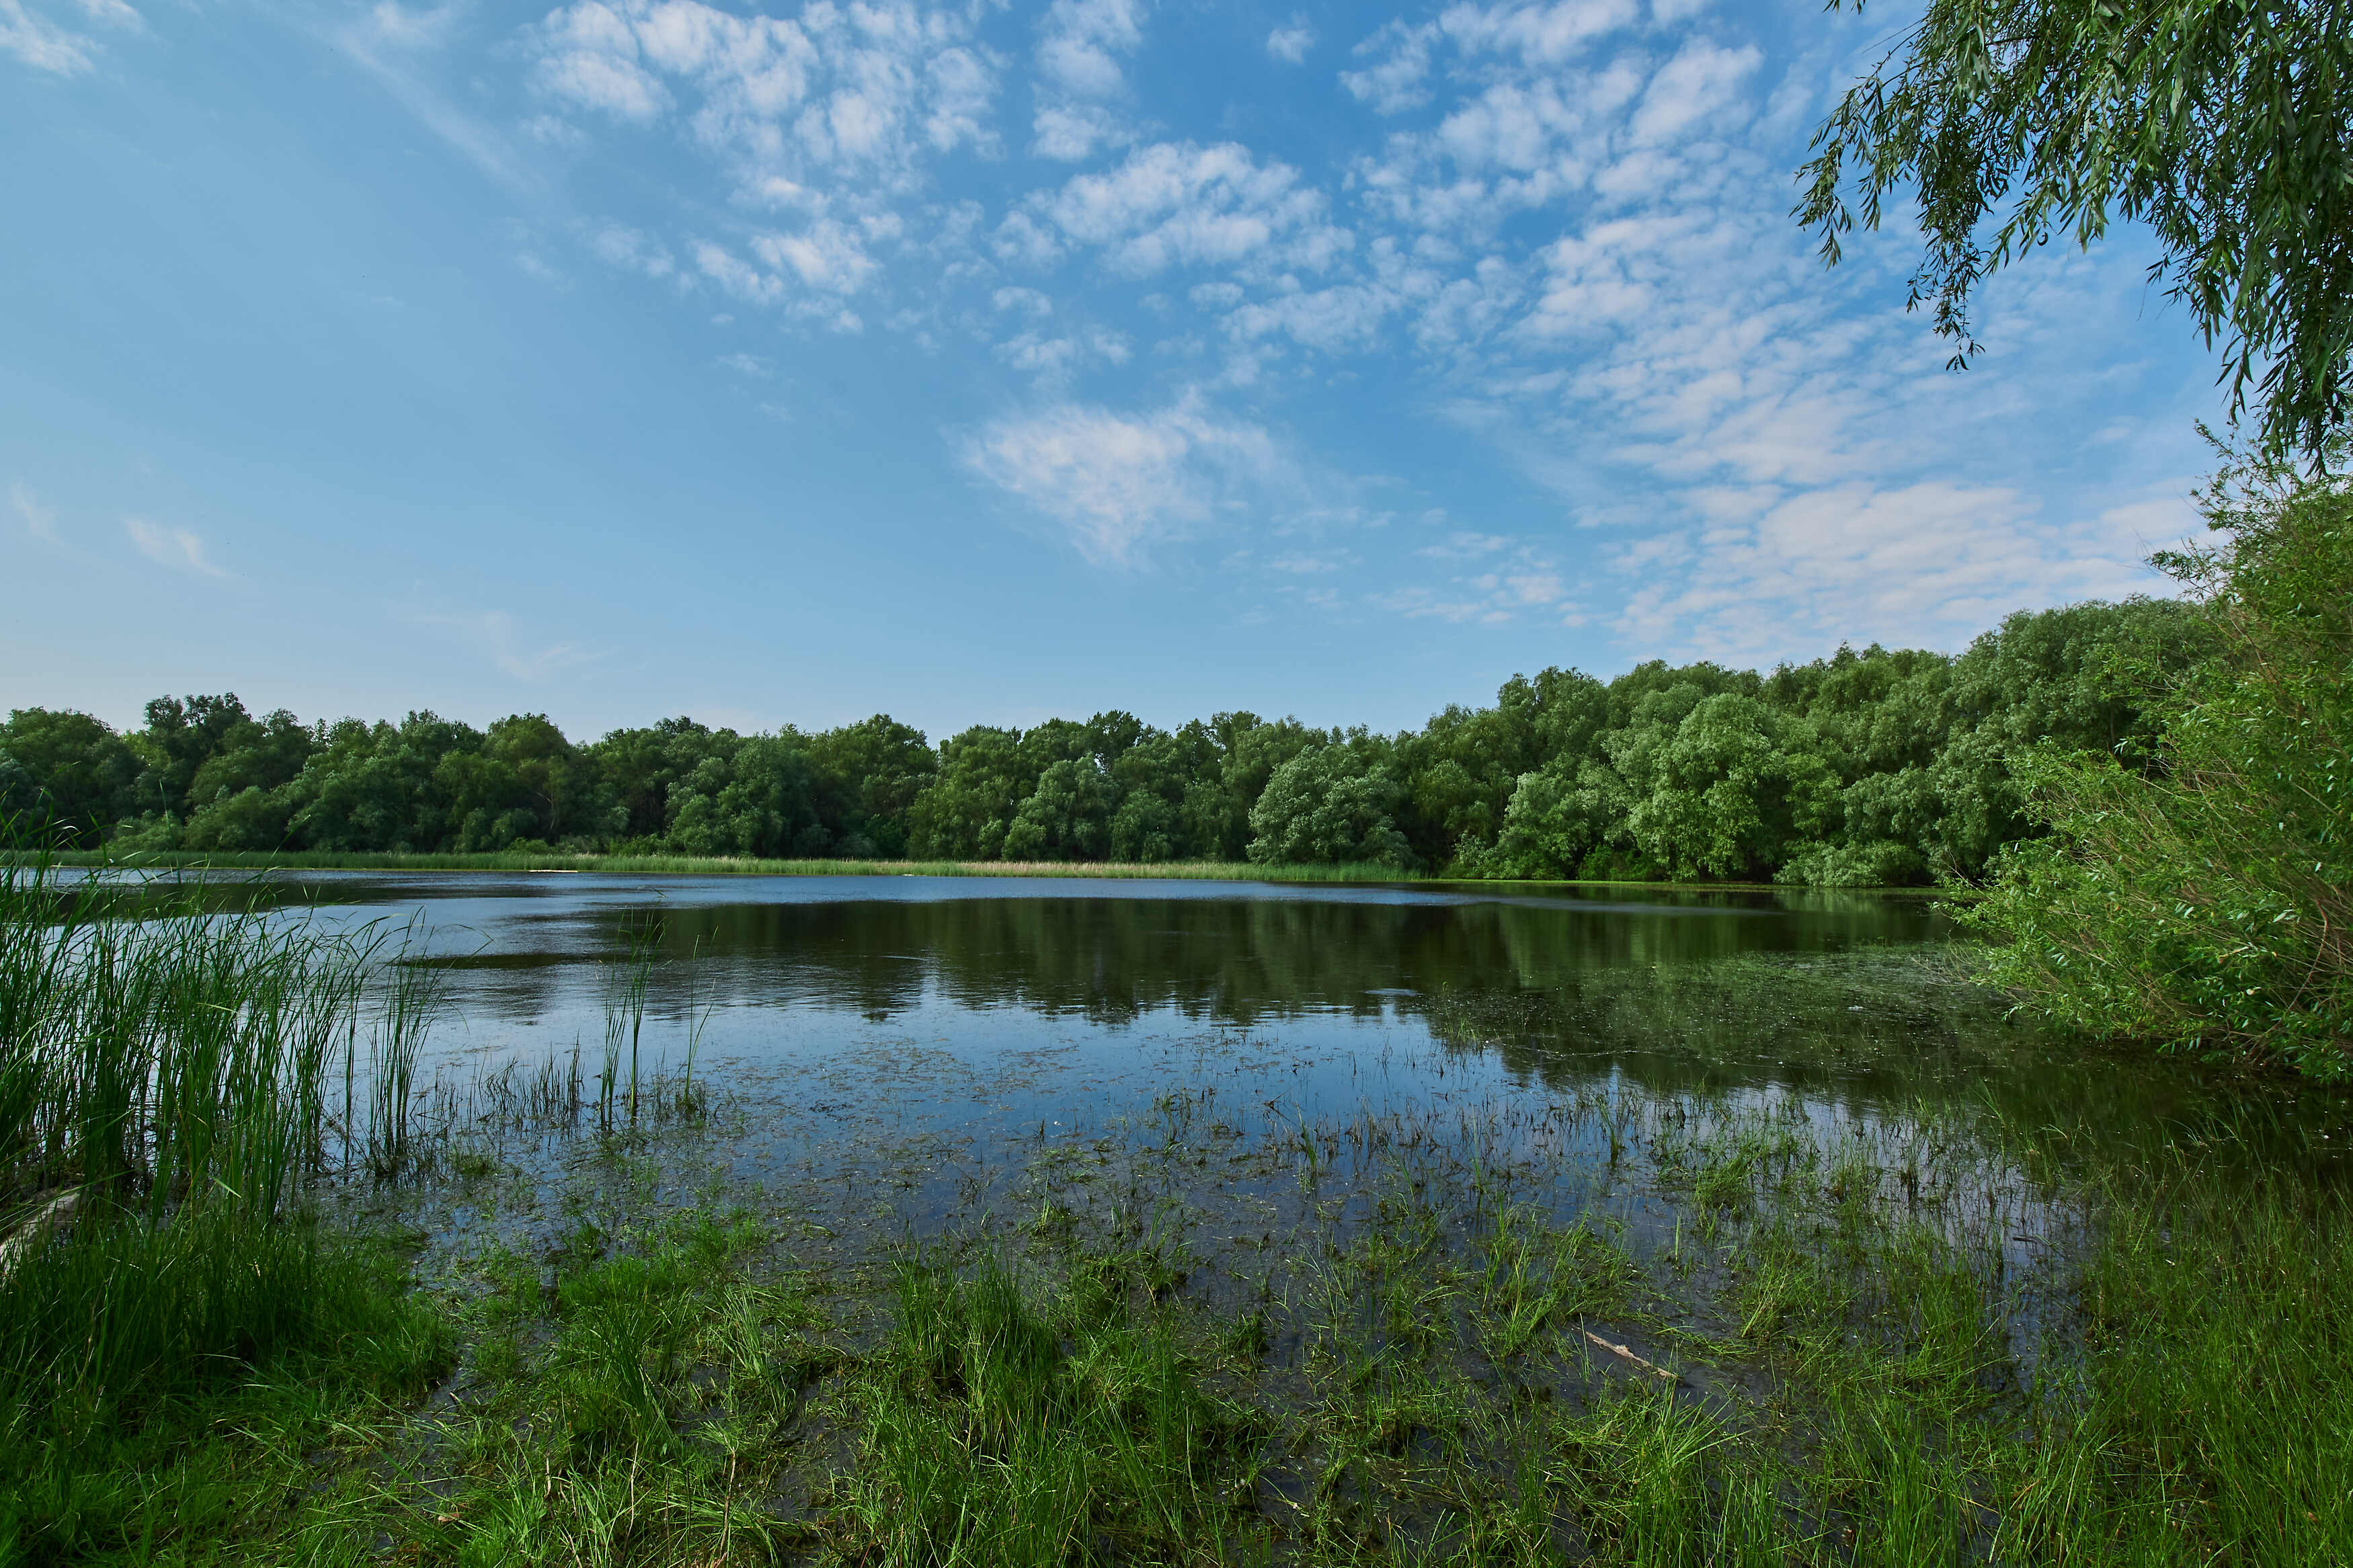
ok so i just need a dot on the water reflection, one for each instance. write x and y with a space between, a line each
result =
1850 1002
1108 952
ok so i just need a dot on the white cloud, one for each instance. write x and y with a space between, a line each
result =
747 365
1290 43
41 519
857 96
1070 132
176 548
1079 43
1312 563
1694 88
1539 35
1023 241
1929 562
1348 315
48 46
633 251
1121 483
1394 83
496 635
826 256
1464 545
1511 578
736 276
1179 204
1569 236
412 28
1052 361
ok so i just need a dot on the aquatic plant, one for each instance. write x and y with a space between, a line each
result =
165 1073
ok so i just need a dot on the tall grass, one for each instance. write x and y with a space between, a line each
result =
162 1105
627 983
414 997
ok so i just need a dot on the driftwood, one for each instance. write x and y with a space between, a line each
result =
23 1239
1654 1368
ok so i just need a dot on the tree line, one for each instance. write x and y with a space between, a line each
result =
1865 767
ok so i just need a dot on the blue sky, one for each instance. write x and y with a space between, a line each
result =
981 364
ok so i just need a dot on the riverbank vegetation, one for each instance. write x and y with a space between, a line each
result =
2152 795
1869 767
2200 899
562 861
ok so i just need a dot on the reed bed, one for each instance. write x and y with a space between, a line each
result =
168 1097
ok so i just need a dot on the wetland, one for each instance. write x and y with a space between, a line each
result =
918 1220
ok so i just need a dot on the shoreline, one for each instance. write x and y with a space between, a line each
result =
728 865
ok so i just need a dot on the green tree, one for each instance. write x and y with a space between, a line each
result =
2224 126
964 811
377 786
183 733
1252 747
1334 803
640 765
1169 788
264 753
873 770
67 771
758 799
1733 786
1066 817
1566 818
252 818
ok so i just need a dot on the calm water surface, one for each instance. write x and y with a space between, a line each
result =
974 1007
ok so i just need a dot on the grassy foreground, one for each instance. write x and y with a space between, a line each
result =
1413 1363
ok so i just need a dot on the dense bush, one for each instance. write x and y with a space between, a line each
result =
2206 900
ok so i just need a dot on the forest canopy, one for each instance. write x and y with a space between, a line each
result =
1866 767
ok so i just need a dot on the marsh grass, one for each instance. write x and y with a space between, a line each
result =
1427 1361
164 1106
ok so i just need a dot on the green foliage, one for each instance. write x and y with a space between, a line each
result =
1866 767
67 769
2224 126
1066 817
2203 903
1331 805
